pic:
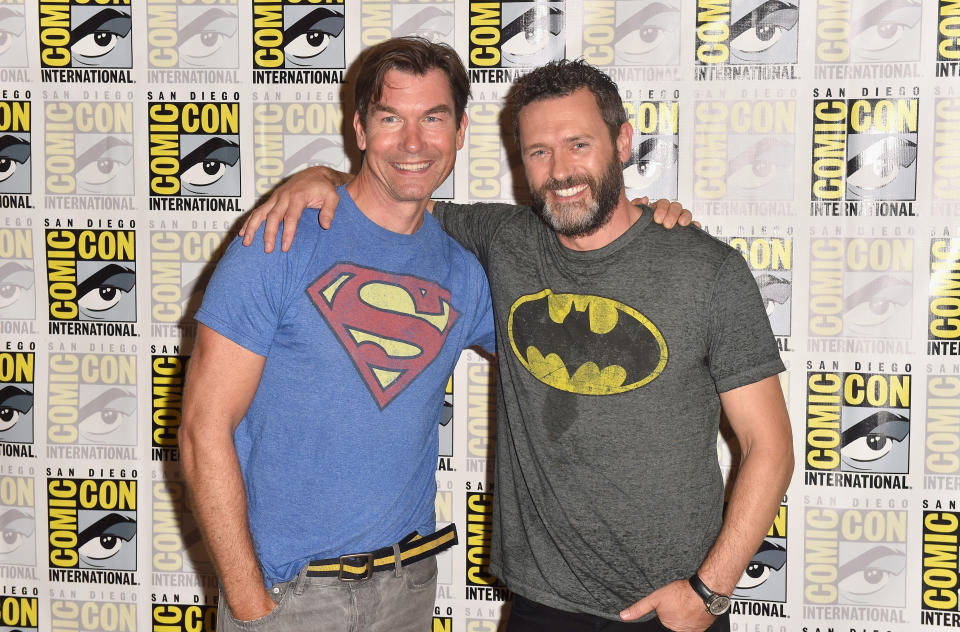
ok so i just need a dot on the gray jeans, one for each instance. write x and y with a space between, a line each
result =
390 601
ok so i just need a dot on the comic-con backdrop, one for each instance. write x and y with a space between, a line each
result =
820 138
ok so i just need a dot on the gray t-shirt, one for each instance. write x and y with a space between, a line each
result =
611 363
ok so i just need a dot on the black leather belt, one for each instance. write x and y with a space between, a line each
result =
357 567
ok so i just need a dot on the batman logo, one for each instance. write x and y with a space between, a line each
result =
583 344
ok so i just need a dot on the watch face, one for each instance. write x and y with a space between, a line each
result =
718 605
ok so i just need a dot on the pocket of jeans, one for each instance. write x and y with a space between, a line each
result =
422 574
265 619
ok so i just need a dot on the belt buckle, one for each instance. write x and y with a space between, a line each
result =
356 556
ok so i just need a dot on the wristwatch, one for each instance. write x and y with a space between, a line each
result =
716 604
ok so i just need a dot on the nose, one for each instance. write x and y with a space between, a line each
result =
412 138
560 166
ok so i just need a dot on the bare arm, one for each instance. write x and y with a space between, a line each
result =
222 380
758 416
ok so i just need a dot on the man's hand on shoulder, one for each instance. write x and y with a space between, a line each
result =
314 187
677 606
668 213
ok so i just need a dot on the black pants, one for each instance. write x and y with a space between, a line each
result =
530 616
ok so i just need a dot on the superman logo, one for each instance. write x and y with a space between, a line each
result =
391 325
584 344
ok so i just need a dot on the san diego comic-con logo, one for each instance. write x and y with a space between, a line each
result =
589 345
432 20
392 326
91 280
92 405
747 39
177 545
194 152
860 288
858 429
480 584
168 373
13 40
622 35
941 464
92 528
490 178
17 521
104 610
943 314
442 624
88 152
864 155
299 42
15 152
18 289
946 159
744 155
771 262
940 590
762 588
884 36
180 617
86 41
18 614
854 563
652 169
16 402
181 263
515 34
194 37
948 38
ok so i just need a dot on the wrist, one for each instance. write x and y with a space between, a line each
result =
716 603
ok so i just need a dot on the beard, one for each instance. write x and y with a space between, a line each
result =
580 219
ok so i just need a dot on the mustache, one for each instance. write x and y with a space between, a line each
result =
552 184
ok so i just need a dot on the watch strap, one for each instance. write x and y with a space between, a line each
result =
700 588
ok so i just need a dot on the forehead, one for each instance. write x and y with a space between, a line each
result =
574 114
408 89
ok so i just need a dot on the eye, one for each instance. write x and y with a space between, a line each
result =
205 35
768 559
874 437
15 279
754 575
105 414
15 402
774 291
648 162
204 173
758 165
869 448
106 537
311 35
870 572
885 26
104 289
99 34
96 44
13 152
318 151
763 27
15 527
880 163
101 298
12 26
310 44
877 302
208 163
102 163
431 23
532 32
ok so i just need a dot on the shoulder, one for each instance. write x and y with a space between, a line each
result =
692 244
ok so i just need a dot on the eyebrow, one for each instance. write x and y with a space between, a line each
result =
437 109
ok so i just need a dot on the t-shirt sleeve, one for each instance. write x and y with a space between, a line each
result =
743 349
482 332
473 225
243 300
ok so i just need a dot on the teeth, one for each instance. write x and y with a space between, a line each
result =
569 191
416 166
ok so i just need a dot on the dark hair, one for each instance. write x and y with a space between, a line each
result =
563 78
414 55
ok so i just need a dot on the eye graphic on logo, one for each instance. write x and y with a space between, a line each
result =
873 438
13 152
205 35
105 538
12 26
532 33
100 169
311 35
103 417
762 28
774 290
15 402
99 35
758 166
15 280
432 24
15 527
869 308
645 36
648 162
885 30
880 163
769 558
869 573
320 150
103 290
207 164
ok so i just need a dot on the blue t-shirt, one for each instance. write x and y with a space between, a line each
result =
361 328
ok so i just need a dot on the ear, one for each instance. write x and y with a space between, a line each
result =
360 132
462 130
625 142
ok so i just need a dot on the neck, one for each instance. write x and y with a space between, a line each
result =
623 217
403 217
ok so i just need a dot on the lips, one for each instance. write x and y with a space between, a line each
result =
569 191
412 167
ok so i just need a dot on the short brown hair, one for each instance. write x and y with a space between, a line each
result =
414 55
563 78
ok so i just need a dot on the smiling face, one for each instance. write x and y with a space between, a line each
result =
573 167
411 136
